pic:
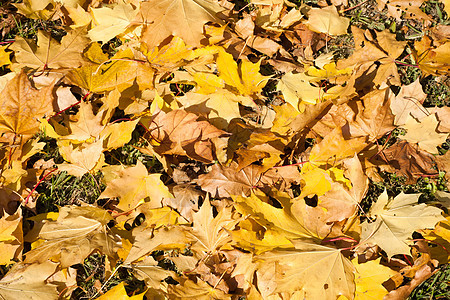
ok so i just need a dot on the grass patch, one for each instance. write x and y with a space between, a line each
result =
436 287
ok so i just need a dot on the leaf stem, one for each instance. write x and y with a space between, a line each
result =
350 8
37 184
405 64
297 164
69 107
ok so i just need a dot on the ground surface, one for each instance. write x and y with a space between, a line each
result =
190 186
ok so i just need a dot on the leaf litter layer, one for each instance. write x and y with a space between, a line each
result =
203 149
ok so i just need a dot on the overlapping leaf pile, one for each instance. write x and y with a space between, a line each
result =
244 204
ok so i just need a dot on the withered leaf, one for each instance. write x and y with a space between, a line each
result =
21 106
76 233
183 18
133 185
29 281
409 161
178 132
224 181
49 53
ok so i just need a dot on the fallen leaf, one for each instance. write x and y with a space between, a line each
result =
21 107
11 238
369 278
409 102
210 233
402 8
200 290
182 18
150 272
118 292
424 133
406 160
432 60
327 20
178 132
50 54
134 185
83 158
110 22
382 51
4 56
146 240
396 219
29 281
76 233
281 220
247 79
321 272
375 118
224 181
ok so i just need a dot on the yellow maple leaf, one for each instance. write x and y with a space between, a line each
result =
424 133
11 237
119 72
246 79
327 20
22 106
49 53
134 185
110 22
369 279
83 158
181 18
4 56
119 293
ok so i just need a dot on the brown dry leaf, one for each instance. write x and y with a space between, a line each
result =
28 281
375 117
134 185
425 270
21 107
224 181
182 18
406 160
334 148
179 133
185 200
71 238
48 53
